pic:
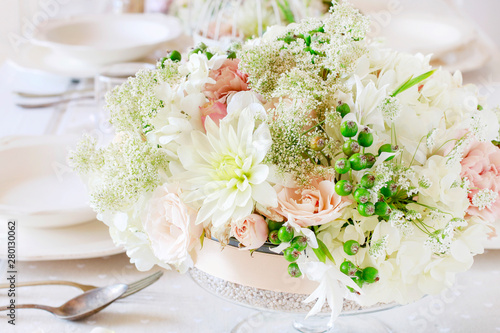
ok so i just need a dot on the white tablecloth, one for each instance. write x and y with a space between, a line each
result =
176 303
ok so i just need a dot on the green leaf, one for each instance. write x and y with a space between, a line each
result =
287 12
325 250
320 254
411 82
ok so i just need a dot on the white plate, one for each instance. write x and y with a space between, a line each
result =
424 34
88 240
107 38
36 184
465 59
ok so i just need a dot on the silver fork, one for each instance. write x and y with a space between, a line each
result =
132 288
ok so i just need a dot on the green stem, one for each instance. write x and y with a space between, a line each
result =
310 158
328 159
425 232
416 150
433 208
318 124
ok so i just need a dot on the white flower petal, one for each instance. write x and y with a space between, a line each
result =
265 194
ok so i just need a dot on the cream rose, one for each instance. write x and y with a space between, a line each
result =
310 206
251 231
170 226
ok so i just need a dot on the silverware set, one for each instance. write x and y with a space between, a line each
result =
61 98
93 300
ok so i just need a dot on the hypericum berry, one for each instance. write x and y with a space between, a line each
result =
343 109
285 234
273 237
362 195
343 188
367 181
366 209
294 270
382 208
365 137
359 281
196 50
273 225
342 165
291 254
387 148
348 268
358 161
317 143
350 147
370 275
351 247
370 160
299 243
175 56
349 128
390 189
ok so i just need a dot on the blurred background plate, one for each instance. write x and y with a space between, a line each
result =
467 58
107 38
89 240
36 184
425 33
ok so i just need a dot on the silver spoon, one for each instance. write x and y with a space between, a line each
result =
83 305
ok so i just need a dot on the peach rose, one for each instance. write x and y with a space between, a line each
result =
228 80
481 165
169 224
310 206
215 110
251 231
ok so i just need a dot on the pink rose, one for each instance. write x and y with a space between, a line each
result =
251 231
228 80
169 224
214 110
481 165
310 206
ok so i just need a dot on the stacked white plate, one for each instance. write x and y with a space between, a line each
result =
48 201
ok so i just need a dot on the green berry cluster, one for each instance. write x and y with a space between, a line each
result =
360 276
278 233
175 56
355 159
362 195
203 48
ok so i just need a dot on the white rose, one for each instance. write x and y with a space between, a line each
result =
169 224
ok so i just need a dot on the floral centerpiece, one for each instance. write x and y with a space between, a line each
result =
372 173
